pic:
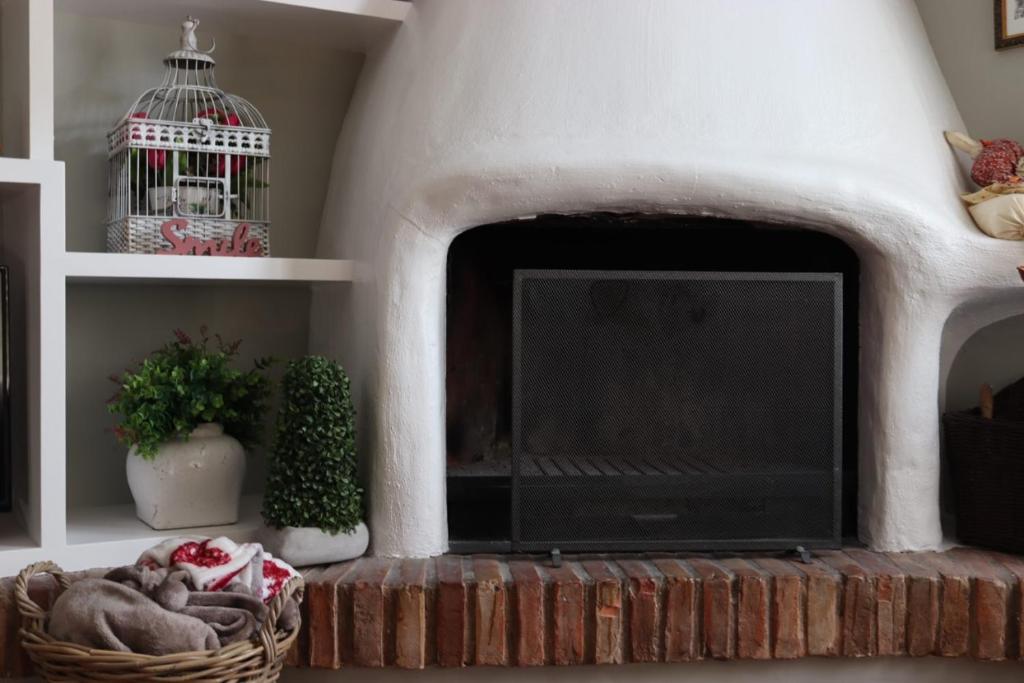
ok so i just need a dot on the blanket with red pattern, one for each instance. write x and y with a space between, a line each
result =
215 563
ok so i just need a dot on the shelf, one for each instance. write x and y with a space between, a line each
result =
29 171
98 267
355 25
392 10
119 531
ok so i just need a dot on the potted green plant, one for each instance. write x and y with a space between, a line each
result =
188 414
313 505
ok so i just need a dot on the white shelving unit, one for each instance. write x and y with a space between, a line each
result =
90 267
33 239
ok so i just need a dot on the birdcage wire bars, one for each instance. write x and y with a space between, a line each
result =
189 165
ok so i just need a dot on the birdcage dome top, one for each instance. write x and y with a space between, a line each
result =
189 91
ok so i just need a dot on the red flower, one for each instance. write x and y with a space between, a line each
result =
236 164
222 118
156 158
215 115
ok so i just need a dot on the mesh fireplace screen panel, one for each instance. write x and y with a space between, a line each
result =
676 409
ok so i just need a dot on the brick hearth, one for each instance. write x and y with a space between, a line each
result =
461 611
458 611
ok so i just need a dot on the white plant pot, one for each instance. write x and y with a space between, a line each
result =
191 482
192 201
197 201
305 546
160 199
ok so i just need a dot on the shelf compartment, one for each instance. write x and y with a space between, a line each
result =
119 531
12 535
97 268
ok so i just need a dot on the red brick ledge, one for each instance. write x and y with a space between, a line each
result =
458 611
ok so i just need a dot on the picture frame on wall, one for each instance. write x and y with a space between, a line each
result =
1009 23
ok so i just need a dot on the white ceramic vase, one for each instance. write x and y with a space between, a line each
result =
192 201
191 482
160 198
305 546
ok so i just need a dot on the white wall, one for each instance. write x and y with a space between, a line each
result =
14 88
881 670
101 67
988 86
985 83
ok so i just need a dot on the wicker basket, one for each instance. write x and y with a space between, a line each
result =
257 660
986 459
141 234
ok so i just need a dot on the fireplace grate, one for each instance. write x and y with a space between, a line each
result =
676 410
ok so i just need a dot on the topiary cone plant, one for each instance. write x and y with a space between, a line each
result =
313 505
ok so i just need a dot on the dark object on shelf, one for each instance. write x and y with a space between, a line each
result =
986 459
5 391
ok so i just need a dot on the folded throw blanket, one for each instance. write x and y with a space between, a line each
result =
184 594
234 613
107 615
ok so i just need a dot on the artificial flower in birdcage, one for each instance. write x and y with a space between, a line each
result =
190 166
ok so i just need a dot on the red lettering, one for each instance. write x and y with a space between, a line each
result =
239 244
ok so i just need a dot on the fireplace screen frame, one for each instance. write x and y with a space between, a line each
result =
637 483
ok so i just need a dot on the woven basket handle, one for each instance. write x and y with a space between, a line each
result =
268 633
32 614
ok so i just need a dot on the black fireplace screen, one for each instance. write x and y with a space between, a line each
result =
674 410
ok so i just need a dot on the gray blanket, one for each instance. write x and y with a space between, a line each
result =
147 611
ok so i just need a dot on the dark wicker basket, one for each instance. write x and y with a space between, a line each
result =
986 460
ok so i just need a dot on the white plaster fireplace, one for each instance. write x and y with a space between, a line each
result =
824 114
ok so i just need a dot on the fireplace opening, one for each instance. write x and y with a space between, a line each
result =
650 383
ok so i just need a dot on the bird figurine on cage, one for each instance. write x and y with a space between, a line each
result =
188 36
189 165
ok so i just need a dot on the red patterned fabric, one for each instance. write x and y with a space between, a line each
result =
997 162
213 564
199 554
275 575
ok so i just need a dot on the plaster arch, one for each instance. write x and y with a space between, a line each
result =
478 113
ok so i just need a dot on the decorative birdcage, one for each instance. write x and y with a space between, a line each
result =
190 166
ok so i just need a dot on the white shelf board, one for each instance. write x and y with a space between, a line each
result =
109 536
102 267
29 171
392 10
354 25
117 529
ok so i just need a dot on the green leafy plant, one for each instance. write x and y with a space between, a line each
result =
312 480
184 384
